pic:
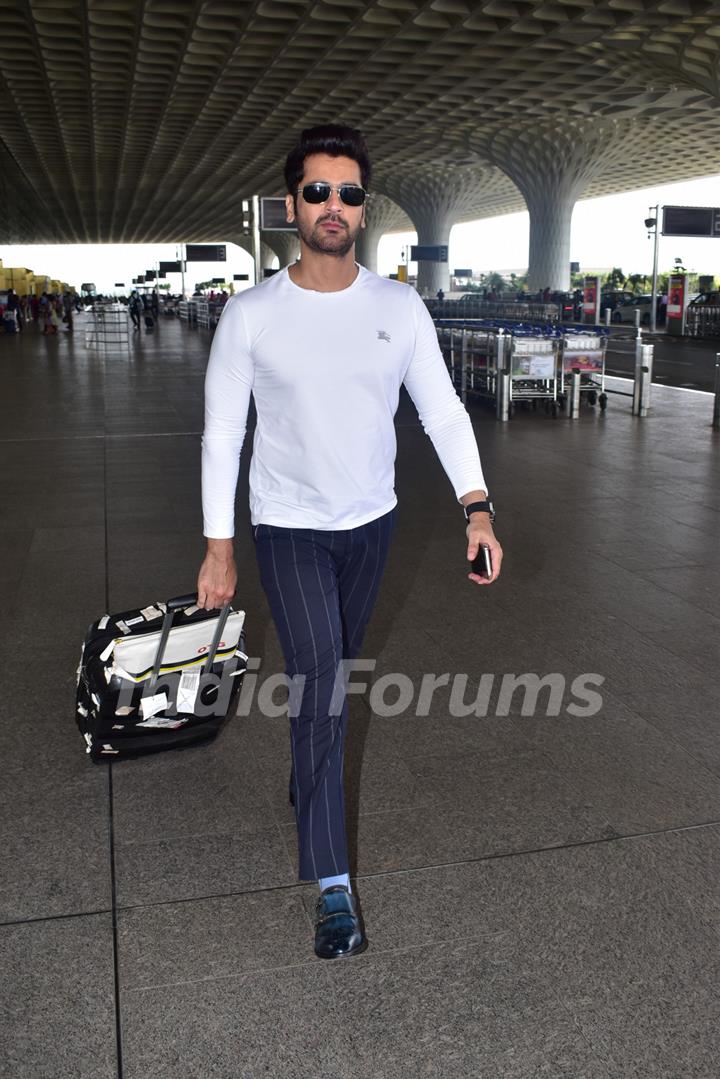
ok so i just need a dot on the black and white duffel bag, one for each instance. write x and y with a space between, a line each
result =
162 677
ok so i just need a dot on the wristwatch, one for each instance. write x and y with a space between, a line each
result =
480 507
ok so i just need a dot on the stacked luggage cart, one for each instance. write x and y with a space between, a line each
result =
703 320
584 350
108 327
539 359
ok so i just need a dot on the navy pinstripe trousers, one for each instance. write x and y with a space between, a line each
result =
321 587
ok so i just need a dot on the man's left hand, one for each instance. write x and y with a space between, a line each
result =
479 531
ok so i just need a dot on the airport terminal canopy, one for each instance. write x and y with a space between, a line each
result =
148 120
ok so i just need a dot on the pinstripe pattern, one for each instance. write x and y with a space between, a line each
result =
321 587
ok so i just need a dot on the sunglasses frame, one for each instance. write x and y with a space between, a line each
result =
334 187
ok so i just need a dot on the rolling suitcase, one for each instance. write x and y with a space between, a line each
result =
149 323
162 677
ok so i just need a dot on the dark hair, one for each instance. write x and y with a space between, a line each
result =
336 140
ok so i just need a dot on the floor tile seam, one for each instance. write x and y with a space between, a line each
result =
693 606
43 919
670 739
239 893
102 436
430 943
412 869
531 851
117 1001
582 553
246 833
307 963
509 610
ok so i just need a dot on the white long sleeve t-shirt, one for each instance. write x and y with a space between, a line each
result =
325 370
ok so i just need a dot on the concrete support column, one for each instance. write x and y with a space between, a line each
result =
286 246
435 197
552 166
381 215
267 255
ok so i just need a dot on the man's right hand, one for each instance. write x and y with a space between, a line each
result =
217 579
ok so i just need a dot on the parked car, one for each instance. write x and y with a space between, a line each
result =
612 298
625 312
709 299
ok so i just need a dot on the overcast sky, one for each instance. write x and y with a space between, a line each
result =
606 232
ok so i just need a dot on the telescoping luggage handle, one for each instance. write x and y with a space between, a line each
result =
179 604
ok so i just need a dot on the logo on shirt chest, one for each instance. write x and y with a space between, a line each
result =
383 335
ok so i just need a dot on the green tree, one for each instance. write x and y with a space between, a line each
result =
638 282
615 279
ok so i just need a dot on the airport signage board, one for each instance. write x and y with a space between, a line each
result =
429 253
691 221
206 253
676 296
170 267
273 216
592 294
462 273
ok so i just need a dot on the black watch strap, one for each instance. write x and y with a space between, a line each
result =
480 507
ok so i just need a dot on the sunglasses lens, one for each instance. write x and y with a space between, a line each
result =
352 195
316 193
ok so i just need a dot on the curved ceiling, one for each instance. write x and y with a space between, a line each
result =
149 120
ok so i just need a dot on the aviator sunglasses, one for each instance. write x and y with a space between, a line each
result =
350 194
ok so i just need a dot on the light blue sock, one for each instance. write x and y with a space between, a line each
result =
327 882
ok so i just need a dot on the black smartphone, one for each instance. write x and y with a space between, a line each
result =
482 564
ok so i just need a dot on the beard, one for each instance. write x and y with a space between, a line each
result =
329 243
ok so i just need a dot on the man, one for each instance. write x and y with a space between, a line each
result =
135 307
324 347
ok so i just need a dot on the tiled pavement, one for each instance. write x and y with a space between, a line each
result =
540 892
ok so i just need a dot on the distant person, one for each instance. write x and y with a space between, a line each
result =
67 305
154 304
135 309
15 306
440 295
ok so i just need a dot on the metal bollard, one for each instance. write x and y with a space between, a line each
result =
716 407
574 403
636 313
638 376
463 367
608 314
646 379
502 389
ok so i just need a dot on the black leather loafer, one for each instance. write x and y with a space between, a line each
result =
338 930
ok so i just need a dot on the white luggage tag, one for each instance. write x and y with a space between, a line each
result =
150 706
188 689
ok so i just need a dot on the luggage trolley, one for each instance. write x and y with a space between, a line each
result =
469 348
479 359
534 367
585 350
